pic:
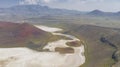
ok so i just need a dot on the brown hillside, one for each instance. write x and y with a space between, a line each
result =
19 34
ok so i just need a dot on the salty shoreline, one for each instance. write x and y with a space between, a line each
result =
24 57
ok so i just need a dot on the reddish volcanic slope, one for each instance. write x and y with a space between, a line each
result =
19 33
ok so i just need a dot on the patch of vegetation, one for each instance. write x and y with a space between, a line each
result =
64 50
74 44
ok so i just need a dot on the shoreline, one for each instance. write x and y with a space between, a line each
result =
19 57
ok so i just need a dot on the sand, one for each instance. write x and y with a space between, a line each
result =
24 57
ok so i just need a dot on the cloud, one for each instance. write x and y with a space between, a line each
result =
48 1
29 2
82 5
34 2
58 1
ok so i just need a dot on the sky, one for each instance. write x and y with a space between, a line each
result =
81 5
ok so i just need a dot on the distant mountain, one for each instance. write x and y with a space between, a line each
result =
105 14
100 13
118 13
29 12
36 10
20 34
96 12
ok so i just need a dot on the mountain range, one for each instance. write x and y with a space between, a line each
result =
36 10
101 13
32 10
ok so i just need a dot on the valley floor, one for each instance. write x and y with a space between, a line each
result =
24 57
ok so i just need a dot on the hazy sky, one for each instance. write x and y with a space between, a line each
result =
82 5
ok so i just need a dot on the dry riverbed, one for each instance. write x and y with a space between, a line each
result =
60 55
